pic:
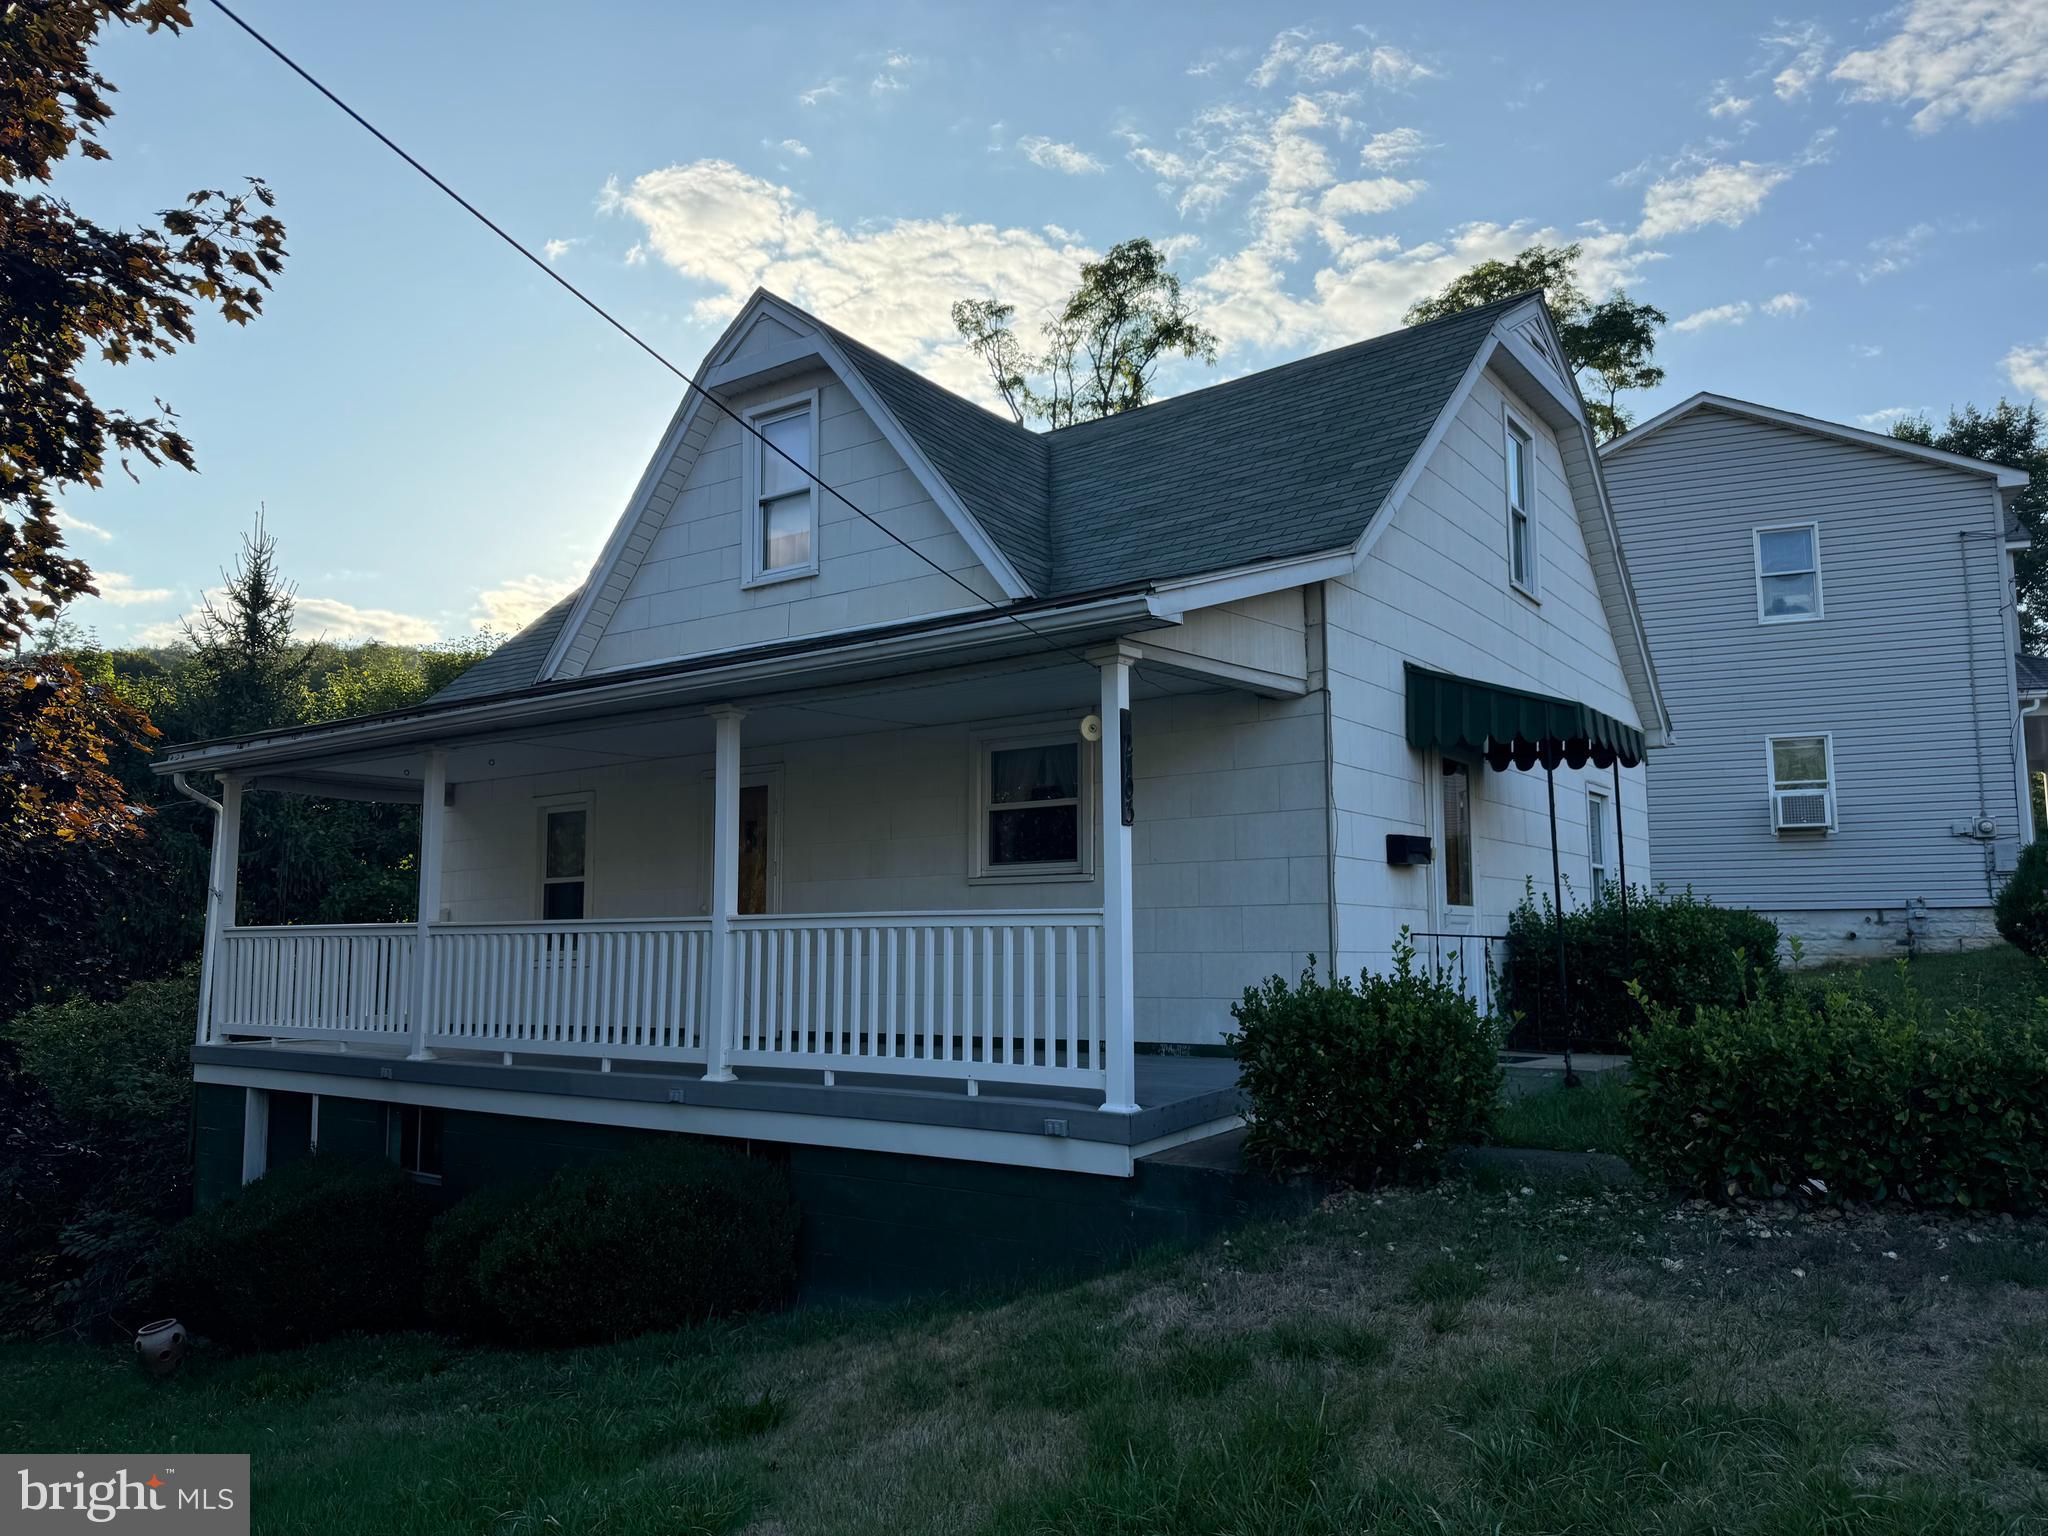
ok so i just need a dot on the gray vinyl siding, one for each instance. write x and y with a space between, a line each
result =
1887 670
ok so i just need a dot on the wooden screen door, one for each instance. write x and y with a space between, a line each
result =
753 848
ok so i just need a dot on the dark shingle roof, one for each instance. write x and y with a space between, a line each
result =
1290 461
2032 672
514 665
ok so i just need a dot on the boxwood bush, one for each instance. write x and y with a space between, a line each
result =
1841 1097
2022 908
320 1246
454 1244
1679 949
1368 1079
668 1235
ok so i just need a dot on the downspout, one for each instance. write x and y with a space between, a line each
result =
1984 829
179 783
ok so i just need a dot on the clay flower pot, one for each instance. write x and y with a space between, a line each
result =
161 1346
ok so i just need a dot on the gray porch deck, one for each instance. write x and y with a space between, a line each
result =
1175 1093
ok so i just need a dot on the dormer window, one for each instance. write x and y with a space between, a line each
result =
1788 573
782 498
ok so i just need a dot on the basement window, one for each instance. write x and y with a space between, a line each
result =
415 1134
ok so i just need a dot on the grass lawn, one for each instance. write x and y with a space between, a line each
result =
1467 1359
1560 1119
1995 979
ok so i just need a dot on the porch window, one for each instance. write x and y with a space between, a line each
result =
1788 573
782 499
565 862
1802 771
1029 793
1521 510
415 1132
1457 821
1596 843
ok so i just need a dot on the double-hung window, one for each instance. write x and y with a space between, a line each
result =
1802 773
565 862
1788 573
1596 842
1030 796
1521 465
782 498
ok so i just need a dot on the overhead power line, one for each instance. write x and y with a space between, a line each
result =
626 331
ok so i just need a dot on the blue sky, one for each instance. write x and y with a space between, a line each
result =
1838 206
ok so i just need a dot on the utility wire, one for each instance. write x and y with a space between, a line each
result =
620 326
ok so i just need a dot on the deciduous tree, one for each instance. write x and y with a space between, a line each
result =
2017 437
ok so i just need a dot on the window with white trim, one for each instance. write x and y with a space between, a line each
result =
782 498
1030 799
1596 843
1457 829
565 862
1521 463
1802 775
1788 573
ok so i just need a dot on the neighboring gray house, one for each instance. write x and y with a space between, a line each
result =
1832 612
915 808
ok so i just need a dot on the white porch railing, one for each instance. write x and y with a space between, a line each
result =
1009 997
985 996
343 981
607 989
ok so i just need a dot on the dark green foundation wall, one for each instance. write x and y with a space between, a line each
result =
876 1225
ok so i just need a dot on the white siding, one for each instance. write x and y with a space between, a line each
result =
685 598
1267 633
1434 590
1887 670
1231 854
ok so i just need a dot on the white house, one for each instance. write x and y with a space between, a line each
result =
905 781
1835 628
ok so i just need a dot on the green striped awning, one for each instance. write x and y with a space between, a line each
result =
1512 725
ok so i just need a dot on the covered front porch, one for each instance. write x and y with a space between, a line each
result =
895 914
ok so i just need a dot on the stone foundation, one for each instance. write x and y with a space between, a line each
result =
1883 933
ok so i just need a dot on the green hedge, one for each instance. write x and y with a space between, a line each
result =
1845 1098
1360 1080
320 1246
664 1237
2022 908
1680 949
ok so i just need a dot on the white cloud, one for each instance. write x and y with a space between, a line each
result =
555 250
71 522
2027 367
1731 105
1393 149
1295 56
819 94
1720 314
1802 48
1881 420
1865 350
514 604
795 147
891 283
1718 192
1382 194
1782 304
887 82
1976 59
1890 254
118 588
329 618
1064 158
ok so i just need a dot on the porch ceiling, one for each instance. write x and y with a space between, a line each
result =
1036 686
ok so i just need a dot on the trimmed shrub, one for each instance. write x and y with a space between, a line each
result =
1367 1079
1680 950
321 1246
1842 1098
454 1244
664 1237
2022 907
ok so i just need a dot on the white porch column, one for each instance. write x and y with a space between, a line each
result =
222 877
433 818
1118 1002
725 888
